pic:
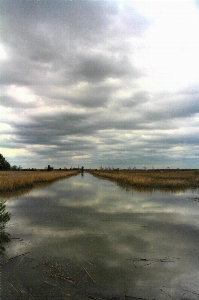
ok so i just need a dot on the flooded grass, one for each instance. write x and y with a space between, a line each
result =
15 180
153 179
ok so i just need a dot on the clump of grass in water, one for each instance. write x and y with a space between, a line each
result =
4 218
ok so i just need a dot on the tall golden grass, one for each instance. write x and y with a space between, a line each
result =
15 180
153 179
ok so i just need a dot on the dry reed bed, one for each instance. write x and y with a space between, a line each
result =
15 180
156 179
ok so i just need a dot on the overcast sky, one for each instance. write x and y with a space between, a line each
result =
100 83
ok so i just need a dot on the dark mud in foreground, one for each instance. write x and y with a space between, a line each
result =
85 238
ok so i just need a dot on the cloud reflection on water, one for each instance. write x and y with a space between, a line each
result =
98 223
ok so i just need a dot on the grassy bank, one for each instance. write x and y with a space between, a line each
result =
153 179
15 180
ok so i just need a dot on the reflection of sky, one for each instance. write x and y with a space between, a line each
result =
97 222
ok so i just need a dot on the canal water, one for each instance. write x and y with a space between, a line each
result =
87 238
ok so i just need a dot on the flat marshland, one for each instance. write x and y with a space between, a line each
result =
152 179
14 180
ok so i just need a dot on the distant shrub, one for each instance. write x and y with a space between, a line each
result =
4 165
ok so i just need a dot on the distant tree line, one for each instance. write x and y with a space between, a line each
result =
4 166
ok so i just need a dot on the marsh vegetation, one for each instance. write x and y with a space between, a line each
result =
14 180
152 179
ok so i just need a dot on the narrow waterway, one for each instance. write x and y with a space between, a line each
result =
86 238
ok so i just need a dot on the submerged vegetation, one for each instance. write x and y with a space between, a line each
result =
14 180
152 179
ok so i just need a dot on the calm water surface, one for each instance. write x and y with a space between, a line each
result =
86 238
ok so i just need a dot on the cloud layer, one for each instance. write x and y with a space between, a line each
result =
99 83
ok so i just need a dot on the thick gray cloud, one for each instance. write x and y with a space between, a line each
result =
7 101
75 89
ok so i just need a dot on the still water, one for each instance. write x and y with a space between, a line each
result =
86 238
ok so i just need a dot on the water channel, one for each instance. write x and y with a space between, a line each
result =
86 238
